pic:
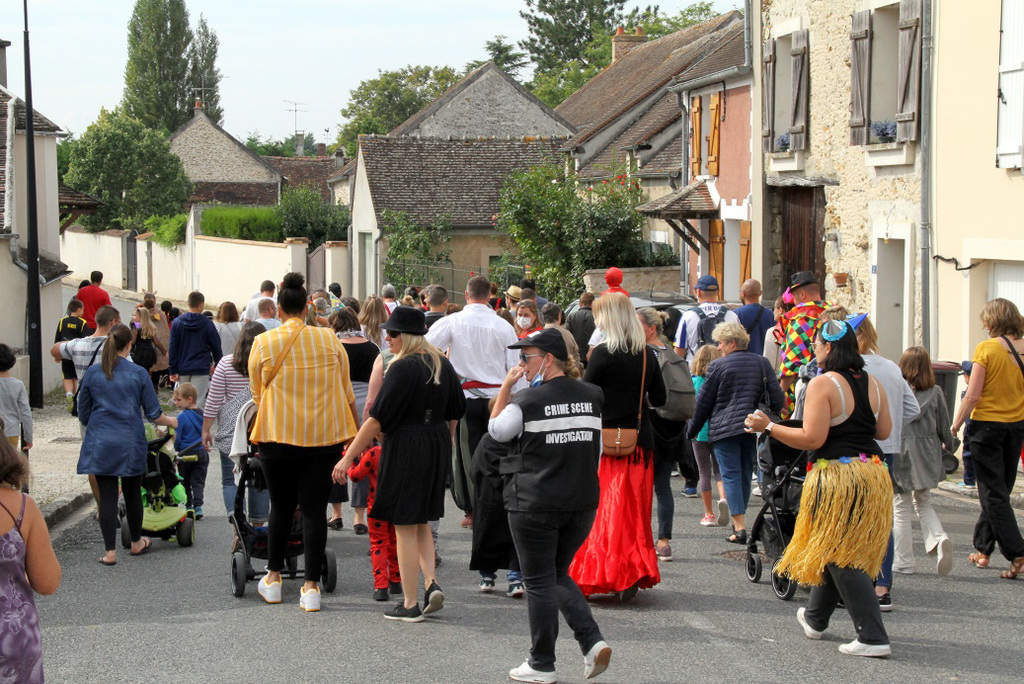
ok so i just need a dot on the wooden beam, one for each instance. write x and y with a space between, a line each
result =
696 234
682 234
69 218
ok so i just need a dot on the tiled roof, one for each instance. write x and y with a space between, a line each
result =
67 196
259 194
307 172
727 54
50 267
664 113
347 170
200 114
41 124
461 178
668 161
693 201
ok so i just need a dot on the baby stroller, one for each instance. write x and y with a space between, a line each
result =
252 541
783 469
163 498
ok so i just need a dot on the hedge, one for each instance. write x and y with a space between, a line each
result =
243 223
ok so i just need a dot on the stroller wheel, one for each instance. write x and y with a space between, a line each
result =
784 587
330 571
186 532
238 573
126 535
753 567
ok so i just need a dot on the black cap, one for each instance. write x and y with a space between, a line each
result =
548 340
406 319
801 278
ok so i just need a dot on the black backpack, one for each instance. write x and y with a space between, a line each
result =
144 353
707 324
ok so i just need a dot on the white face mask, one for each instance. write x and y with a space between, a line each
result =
525 322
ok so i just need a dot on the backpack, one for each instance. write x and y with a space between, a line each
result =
680 400
144 353
707 324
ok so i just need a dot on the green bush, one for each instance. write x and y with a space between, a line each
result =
168 231
304 213
262 224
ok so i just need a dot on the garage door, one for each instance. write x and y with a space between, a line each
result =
1008 282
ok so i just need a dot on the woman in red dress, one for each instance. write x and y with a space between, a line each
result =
618 555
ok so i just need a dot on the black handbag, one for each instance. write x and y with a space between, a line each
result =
764 404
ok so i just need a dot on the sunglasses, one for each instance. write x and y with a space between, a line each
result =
523 356
393 333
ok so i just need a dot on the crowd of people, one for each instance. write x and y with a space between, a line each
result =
554 435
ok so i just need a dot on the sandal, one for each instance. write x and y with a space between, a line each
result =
737 537
104 561
146 547
1016 568
978 560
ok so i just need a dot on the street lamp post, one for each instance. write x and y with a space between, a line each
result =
34 315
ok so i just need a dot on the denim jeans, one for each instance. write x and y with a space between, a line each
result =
259 502
884 578
663 492
735 457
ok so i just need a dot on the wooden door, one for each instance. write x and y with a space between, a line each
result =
716 254
803 213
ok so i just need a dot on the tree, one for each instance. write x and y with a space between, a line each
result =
413 250
157 90
553 86
504 55
561 29
379 104
64 148
279 148
204 76
130 168
304 213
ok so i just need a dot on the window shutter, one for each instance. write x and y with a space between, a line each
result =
716 250
714 112
860 77
909 89
1010 105
695 139
745 248
768 96
798 102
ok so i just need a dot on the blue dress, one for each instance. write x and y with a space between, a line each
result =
115 443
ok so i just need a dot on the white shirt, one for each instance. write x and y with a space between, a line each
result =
390 306
252 309
690 321
476 340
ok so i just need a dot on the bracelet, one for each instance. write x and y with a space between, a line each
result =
768 427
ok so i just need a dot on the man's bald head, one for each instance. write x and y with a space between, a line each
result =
750 292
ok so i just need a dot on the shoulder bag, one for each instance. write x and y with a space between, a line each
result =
622 441
1016 356
74 400
284 354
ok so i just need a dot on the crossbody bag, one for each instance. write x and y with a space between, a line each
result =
622 441
1016 356
280 361
92 360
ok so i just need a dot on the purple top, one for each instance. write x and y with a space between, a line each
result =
21 646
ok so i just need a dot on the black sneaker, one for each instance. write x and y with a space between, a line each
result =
885 603
433 599
380 594
395 588
403 614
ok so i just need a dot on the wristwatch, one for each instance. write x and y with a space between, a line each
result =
768 427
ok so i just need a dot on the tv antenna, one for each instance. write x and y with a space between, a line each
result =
294 108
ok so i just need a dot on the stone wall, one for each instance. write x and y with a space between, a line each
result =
208 154
638 281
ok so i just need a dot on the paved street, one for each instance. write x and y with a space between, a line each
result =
125 306
171 615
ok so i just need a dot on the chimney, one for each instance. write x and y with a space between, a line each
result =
321 149
622 42
339 156
4 44
197 109
300 142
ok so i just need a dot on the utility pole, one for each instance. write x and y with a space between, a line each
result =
34 314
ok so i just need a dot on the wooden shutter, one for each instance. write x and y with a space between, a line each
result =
695 139
716 249
1010 104
745 230
714 112
909 89
860 77
798 99
768 96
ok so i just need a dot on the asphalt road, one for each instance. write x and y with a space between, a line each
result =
170 616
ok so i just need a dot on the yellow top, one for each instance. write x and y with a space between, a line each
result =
1002 397
307 403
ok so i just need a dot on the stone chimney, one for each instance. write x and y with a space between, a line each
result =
300 143
197 108
339 156
4 44
622 42
321 149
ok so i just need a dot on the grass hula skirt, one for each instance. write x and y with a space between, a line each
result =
845 519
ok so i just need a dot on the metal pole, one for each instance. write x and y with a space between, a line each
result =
35 337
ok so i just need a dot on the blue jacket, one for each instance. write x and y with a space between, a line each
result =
115 441
195 345
189 430
732 389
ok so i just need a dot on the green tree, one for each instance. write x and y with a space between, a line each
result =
268 147
504 55
412 249
203 74
560 30
304 213
379 104
130 168
553 86
64 148
157 90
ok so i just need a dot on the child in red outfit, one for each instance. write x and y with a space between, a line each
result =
383 547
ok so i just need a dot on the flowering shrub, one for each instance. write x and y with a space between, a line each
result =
884 130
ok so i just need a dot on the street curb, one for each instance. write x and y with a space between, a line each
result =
63 507
1016 500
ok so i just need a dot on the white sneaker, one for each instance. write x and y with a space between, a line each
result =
270 591
525 673
857 648
944 564
809 631
723 513
309 600
597 659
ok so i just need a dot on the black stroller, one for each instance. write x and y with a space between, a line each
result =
252 541
783 470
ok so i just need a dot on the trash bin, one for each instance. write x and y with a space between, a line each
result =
947 375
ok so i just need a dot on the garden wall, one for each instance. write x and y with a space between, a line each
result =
637 281
85 252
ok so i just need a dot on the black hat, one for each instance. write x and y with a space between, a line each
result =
801 278
406 319
548 340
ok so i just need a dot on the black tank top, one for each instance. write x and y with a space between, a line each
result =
856 434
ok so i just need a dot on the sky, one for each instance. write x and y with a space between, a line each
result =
309 51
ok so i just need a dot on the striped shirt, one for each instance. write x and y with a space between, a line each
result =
225 383
83 352
307 404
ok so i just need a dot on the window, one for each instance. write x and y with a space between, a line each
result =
705 127
784 92
885 73
1010 136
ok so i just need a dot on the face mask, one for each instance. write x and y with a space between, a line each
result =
538 379
525 322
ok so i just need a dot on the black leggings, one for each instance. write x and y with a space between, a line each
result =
298 477
132 489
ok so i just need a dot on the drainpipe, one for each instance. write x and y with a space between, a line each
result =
926 174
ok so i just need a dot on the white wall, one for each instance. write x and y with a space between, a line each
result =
364 233
86 252
46 190
336 265
231 270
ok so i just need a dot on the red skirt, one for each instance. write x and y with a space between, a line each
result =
619 552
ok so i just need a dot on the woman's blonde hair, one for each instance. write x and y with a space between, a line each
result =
570 368
703 358
615 316
731 332
835 313
654 318
867 337
532 307
147 330
372 315
416 344
1002 317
